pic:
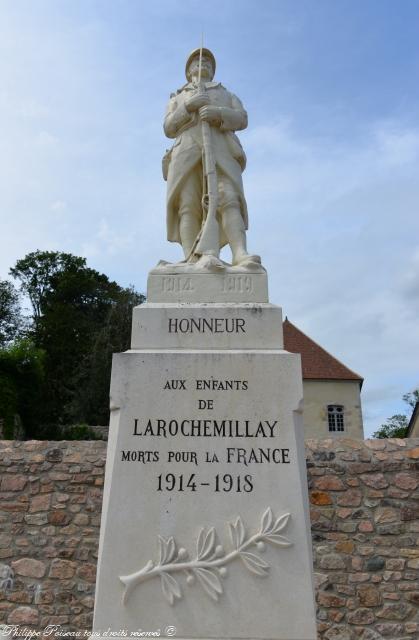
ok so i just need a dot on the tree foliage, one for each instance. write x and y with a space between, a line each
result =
80 318
397 425
394 427
113 337
10 316
411 398
22 380
36 273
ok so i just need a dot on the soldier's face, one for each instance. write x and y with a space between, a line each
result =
207 70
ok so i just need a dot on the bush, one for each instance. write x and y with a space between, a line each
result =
79 432
21 388
8 406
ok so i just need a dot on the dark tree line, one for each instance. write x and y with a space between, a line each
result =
55 364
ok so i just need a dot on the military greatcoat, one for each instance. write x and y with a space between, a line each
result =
186 154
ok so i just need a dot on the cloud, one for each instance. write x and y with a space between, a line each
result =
46 140
397 147
108 241
331 187
341 247
286 162
58 206
409 281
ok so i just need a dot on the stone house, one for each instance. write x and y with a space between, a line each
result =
332 392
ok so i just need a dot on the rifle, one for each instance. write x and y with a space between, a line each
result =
208 239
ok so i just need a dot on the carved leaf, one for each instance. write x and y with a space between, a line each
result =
167 549
240 531
207 556
199 543
171 550
162 550
254 563
206 548
237 533
280 541
210 582
233 535
170 587
281 523
266 522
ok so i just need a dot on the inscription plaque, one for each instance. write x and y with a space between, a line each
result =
207 287
206 496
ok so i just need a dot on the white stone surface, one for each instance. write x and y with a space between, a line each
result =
264 400
206 206
230 285
207 326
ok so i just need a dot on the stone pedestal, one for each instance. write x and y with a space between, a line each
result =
189 285
205 530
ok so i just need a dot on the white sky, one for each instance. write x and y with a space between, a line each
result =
333 154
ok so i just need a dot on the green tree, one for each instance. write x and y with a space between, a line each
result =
36 273
73 309
394 427
397 425
77 311
21 388
113 337
411 398
10 315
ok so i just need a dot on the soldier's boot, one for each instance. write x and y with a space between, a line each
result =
233 226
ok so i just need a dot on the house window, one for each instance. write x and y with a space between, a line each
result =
335 417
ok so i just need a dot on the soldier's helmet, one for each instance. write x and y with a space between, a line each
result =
195 54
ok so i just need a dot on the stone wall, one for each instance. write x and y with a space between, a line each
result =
365 531
365 524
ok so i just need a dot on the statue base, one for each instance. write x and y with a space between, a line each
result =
205 527
192 282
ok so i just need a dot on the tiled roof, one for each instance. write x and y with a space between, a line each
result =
317 364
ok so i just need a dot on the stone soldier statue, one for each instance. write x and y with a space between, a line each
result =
200 101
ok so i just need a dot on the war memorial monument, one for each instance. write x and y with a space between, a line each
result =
205 528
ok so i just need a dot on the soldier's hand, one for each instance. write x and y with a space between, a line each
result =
211 114
196 102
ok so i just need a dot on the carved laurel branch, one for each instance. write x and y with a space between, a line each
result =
209 564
